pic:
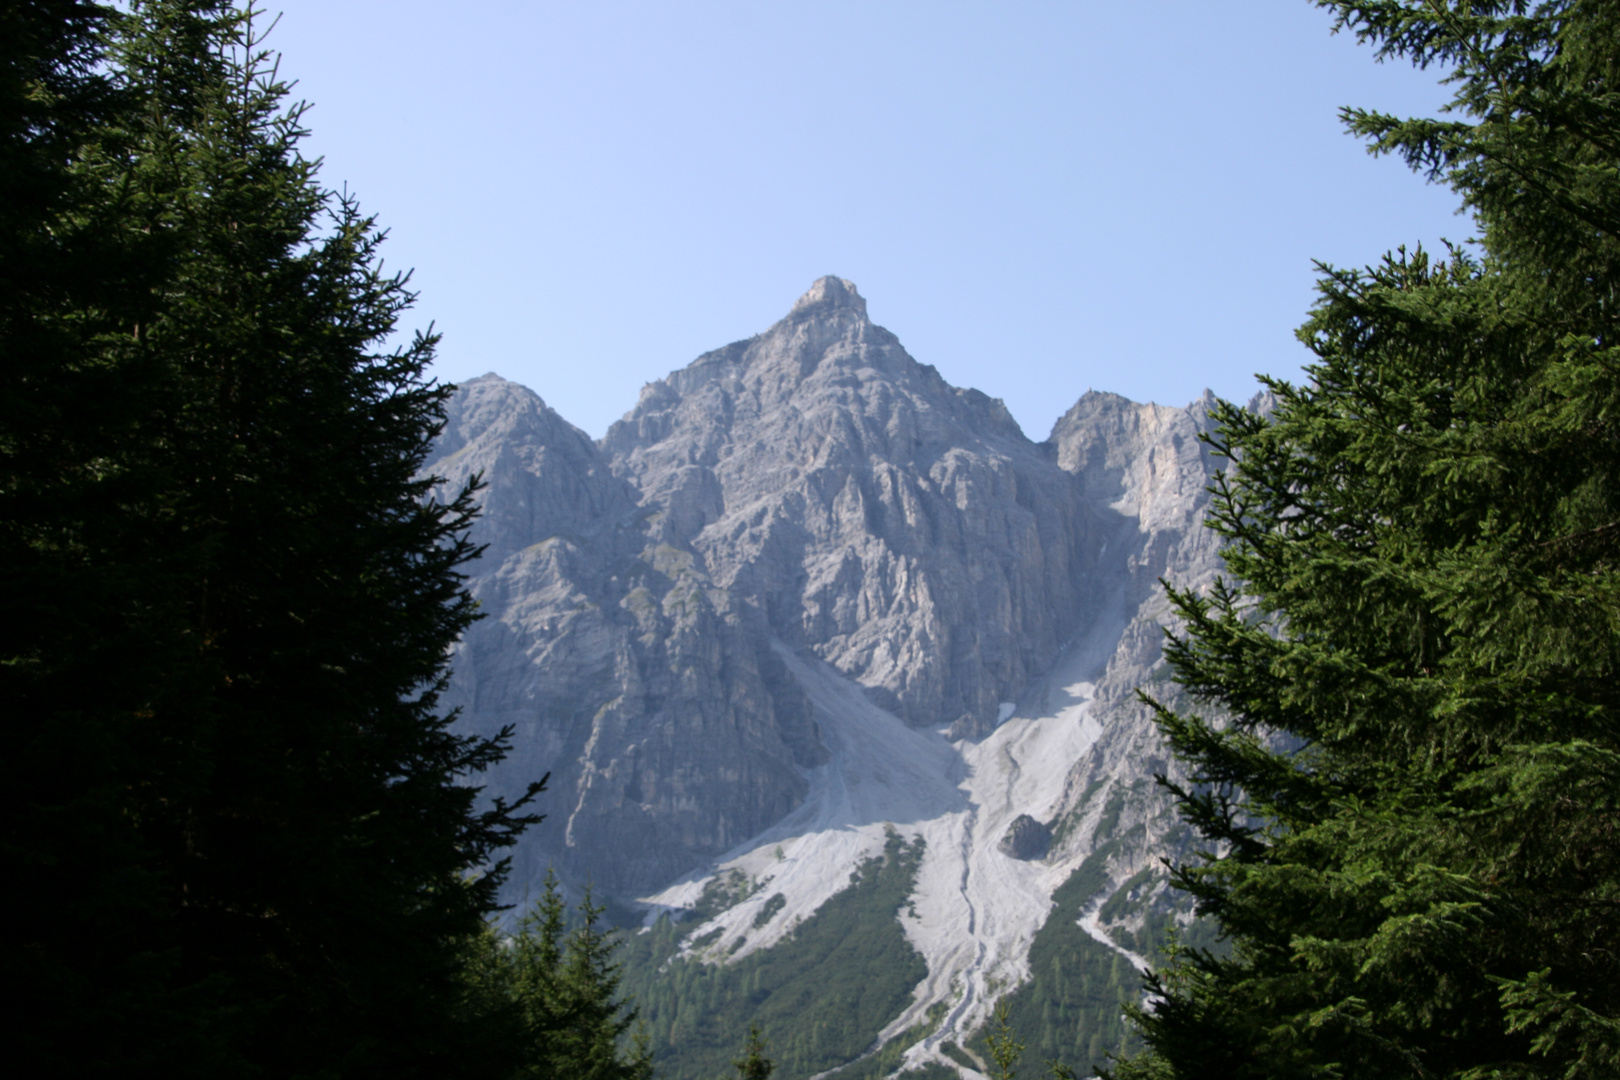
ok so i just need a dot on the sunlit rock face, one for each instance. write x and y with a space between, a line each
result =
812 489
900 528
652 698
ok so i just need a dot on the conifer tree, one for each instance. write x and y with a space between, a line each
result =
754 1064
1412 804
564 986
69 278
1005 1049
229 596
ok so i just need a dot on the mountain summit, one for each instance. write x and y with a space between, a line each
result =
899 528
806 591
833 294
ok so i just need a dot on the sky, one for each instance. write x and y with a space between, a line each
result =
1038 198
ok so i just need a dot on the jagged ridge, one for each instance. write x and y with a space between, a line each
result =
790 597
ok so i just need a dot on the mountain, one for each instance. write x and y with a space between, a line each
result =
807 602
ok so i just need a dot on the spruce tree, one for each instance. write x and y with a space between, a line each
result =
1413 791
72 667
754 1064
562 985
229 595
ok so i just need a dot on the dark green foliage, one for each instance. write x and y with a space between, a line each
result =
1005 1049
561 985
1122 898
1110 815
722 892
754 1065
887 1059
1142 899
228 602
958 1055
820 995
1073 1007
768 912
1427 539
52 97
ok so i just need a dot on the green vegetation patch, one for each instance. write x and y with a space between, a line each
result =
820 995
887 1059
1072 1009
1159 921
1127 894
724 891
958 1055
768 912
1110 815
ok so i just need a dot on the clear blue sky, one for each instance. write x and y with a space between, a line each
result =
1038 198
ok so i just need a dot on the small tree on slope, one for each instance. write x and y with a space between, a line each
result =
1426 539
754 1065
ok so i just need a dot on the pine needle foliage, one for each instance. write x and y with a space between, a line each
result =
820 995
1005 1049
754 1065
560 984
1425 609
238 809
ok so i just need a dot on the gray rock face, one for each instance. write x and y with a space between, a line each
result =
1026 838
900 528
670 729
1143 469
1144 463
817 486
544 477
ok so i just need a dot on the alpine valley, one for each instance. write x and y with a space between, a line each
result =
834 672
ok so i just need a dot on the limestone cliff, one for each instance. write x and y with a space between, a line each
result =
899 528
651 696
811 499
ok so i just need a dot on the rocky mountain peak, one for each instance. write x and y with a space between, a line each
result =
900 528
808 599
546 475
830 294
809 495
